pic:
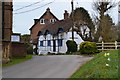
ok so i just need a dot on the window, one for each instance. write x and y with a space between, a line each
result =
52 20
39 33
60 30
60 42
47 32
49 43
42 21
41 43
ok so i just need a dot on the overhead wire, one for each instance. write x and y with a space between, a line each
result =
28 5
35 8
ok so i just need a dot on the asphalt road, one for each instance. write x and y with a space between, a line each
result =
56 66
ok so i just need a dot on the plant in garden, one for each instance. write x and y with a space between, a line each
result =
71 46
108 59
88 47
30 50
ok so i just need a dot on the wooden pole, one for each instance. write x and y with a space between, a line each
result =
72 4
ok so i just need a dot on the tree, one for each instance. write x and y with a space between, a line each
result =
118 26
109 30
103 6
25 38
104 22
83 24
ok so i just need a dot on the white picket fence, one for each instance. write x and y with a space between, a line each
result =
108 46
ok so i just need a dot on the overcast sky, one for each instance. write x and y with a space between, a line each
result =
22 22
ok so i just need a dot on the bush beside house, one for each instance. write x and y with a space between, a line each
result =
72 46
88 47
29 48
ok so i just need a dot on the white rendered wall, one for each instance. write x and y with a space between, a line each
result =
63 49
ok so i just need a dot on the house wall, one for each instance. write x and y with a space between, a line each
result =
18 46
0 21
0 38
6 30
7 20
35 31
6 48
38 26
17 50
61 49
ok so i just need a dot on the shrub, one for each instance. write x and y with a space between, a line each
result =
30 50
71 46
88 47
35 50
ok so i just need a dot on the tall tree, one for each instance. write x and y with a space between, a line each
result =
109 30
102 28
118 26
25 38
103 6
83 24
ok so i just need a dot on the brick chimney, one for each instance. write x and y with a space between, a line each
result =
66 14
35 21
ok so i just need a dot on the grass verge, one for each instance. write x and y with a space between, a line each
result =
16 61
96 68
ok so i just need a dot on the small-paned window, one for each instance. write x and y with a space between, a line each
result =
42 21
52 20
47 32
49 43
60 42
61 30
39 33
41 43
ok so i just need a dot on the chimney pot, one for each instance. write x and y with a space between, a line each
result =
48 9
66 14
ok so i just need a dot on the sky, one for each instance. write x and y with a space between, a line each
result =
24 21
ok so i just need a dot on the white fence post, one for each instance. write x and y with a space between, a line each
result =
116 45
108 46
102 45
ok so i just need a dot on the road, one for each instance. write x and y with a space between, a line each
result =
55 66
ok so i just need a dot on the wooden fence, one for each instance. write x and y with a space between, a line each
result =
108 46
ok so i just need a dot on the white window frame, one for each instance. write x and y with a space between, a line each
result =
52 20
42 21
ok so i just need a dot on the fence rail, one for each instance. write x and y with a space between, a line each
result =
108 46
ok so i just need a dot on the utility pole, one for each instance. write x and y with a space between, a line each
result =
72 4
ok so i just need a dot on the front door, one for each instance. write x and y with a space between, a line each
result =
54 45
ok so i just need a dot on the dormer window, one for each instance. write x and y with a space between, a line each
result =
52 20
42 21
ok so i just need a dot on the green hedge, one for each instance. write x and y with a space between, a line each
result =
71 46
29 48
88 47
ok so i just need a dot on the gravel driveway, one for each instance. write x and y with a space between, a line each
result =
55 66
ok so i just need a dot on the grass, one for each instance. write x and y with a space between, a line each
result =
96 68
16 60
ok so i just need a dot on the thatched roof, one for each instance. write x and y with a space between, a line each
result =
54 27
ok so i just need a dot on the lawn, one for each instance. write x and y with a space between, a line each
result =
96 68
16 61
